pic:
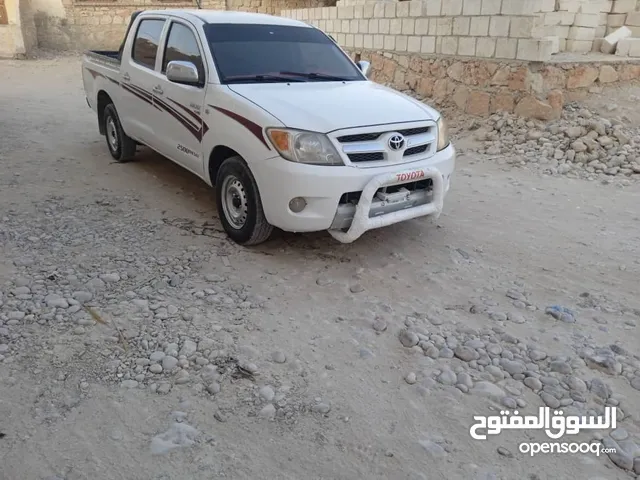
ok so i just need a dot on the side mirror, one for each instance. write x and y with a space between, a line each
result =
364 67
182 72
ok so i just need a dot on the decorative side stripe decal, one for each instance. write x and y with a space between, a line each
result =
246 123
196 128
188 110
142 97
205 127
95 74
177 114
195 125
141 92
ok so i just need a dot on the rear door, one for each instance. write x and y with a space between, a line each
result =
182 125
139 76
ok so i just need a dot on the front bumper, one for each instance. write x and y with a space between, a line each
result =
279 181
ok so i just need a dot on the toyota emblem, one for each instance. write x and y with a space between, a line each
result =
396 142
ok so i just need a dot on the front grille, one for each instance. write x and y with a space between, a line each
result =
426 184
415 150
372 147
413 131
354 197
367 137
360 137
366 157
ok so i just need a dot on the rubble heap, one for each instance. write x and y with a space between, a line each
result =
580 143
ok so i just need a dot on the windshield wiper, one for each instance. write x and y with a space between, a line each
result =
314 75
262 78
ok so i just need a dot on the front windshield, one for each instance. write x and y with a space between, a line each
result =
250 53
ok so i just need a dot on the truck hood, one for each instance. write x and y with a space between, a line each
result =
328 106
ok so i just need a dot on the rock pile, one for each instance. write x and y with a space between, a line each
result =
139 321
491 363
580 144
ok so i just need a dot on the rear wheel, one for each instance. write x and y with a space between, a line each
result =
121 147
239 204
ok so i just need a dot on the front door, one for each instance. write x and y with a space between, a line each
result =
138 77
182 124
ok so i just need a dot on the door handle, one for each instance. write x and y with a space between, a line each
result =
157 89
126 77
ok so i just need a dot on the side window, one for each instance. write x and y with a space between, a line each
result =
145 44
182 46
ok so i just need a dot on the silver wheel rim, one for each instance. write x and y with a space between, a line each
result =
112 134
234 202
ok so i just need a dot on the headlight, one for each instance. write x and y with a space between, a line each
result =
304 147
443 134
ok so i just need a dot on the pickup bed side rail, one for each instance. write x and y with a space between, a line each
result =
106 59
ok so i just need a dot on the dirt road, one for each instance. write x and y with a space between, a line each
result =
301 358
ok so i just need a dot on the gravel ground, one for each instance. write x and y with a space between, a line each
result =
137 342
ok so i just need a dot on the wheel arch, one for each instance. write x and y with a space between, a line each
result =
259 228
218 155
103 99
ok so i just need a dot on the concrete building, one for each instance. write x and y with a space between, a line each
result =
17 28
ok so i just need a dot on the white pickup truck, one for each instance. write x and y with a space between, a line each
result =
274 114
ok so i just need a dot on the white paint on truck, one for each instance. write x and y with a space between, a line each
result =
277 116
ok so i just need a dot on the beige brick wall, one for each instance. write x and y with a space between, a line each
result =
581 24
509 29
530 30
101 24
273 7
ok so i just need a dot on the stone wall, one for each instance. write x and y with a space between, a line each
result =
274 7
530 30
481 87
446 27
101 24
484 56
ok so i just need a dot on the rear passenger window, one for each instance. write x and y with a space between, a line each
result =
182 46
145 45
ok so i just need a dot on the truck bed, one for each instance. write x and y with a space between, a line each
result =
106 58
106 53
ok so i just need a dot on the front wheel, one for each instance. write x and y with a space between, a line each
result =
239 204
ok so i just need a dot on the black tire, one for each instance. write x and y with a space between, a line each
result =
251 227
121 147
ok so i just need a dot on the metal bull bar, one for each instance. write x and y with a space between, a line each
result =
362 222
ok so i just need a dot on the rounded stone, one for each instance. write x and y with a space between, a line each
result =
408 339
